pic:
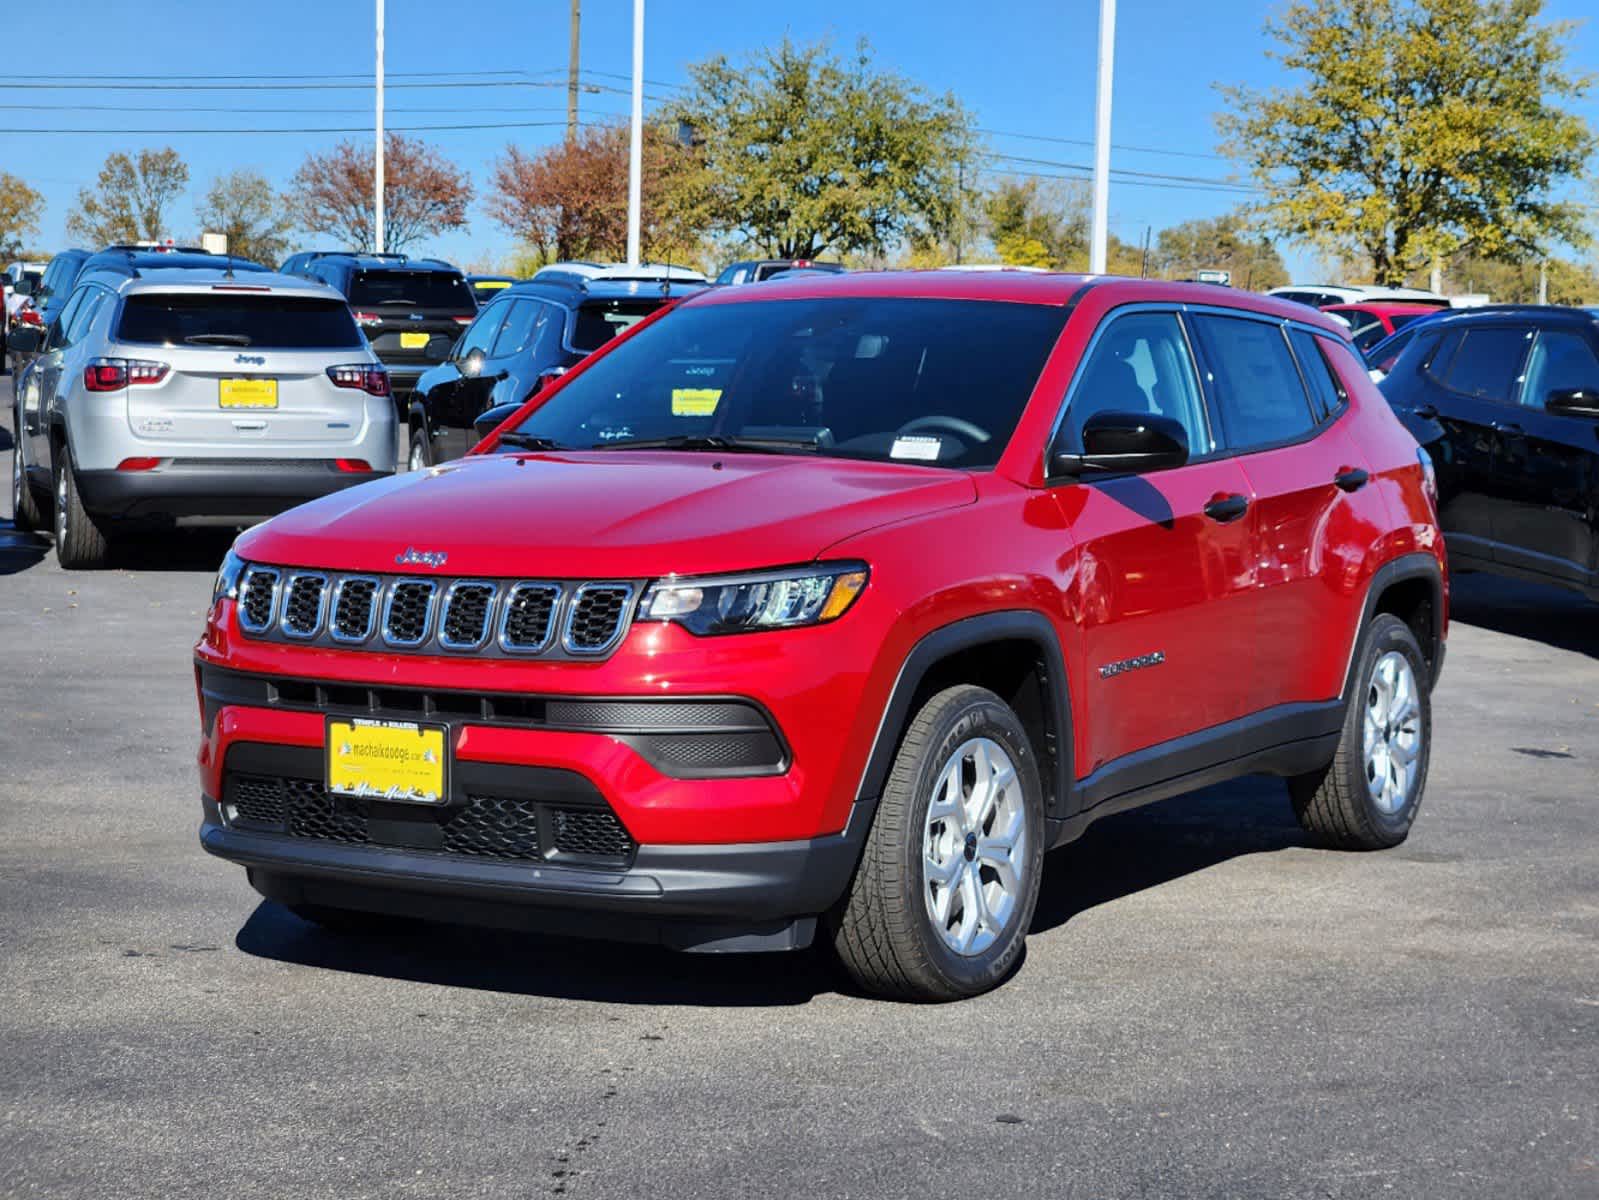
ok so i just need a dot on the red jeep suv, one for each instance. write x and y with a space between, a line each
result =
824 609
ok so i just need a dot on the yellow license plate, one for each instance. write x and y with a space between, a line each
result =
248 393
414 341
387 760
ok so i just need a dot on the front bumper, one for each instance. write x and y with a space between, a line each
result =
229 488
703 898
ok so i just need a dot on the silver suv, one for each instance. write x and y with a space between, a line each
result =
194 395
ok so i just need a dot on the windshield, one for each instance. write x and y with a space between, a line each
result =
419 289
274 322
929 381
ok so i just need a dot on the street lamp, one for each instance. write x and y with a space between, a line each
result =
635 153
1098 244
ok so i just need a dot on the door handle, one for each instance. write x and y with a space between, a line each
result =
1509 427
1226 506
1425 411
1351 479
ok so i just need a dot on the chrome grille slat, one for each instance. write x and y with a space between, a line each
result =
355 609
408 612
468 614
258 599
304 602
497 618
596 618
527 619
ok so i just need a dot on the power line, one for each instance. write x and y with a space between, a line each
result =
316 129
1039 137
1217 184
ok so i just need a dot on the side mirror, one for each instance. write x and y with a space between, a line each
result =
1124 442
1574 402
546 377
25 339
490 419
472 364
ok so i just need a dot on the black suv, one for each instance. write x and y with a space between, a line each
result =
1506 401
531 332
412 309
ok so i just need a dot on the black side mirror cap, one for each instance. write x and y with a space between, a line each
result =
1124 443
1574 402
25 339
491 419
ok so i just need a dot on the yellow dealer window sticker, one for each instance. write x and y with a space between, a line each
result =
695 402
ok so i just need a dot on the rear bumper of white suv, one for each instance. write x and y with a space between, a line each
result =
214 489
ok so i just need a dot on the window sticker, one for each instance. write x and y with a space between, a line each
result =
695 402
917 446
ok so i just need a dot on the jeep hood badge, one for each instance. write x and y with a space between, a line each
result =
421 558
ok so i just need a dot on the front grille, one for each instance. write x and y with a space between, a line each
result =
467 609
409 612
302 605
258 593
495 827
547 618
596 620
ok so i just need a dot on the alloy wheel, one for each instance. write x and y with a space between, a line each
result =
974 847
1392 732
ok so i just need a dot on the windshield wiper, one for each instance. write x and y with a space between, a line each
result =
711 441
529 441
219 339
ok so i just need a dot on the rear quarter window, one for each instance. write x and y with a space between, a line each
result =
219 319
599 321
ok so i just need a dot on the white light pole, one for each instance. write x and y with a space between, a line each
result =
1098 245
377 173
635 153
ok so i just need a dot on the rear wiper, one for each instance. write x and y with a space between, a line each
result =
219 339
710 441
529 441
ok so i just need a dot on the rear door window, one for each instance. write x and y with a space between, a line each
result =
1325 396
419 289
272 322
1483 362
1255 385
1560 361
516 335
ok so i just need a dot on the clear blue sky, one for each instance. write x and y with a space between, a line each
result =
1023 66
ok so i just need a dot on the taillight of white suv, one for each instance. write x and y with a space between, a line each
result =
114 374
368 377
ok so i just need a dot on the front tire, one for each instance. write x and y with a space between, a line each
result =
25 512
1367 797
421 456
946 887
81 543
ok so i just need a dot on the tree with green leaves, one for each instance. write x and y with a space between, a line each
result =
20 206
243 208
130 199
1039 225
808 153
1418 128
1224 243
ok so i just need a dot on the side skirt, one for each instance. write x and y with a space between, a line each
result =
1291 739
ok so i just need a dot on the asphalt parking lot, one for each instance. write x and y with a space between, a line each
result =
1209 1006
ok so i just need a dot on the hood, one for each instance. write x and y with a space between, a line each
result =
607 515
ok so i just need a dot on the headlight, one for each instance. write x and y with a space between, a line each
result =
781 599
228 574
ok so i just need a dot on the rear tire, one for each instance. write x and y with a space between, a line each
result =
1367 797
26 514
81 543
946 887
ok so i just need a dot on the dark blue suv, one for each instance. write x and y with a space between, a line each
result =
1506 401
528 334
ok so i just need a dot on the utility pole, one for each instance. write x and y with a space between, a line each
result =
1101 225
377 173
635 155
571 73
